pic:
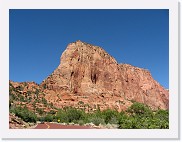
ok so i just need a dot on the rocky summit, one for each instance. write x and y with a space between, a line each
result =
88 77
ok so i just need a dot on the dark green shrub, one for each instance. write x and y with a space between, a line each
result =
162 119
52 112
109 115
37 91
40 110
19 88
140 110
74 114
34 104
51 105
22 98
44 101
97 120
41 119
123 121
113 120
29 93
45 86
70 114
24 113
162 114
11 99
81 122
48 118
62 116
80 102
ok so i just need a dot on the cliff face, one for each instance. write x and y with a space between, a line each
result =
89 77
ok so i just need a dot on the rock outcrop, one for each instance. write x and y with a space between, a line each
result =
90 78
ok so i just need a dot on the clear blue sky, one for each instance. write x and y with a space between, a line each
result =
136 37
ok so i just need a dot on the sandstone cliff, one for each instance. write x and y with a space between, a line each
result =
90 78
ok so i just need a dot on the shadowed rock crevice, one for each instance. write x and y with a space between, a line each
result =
93 78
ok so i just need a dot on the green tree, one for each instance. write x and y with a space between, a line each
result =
140 110
109 115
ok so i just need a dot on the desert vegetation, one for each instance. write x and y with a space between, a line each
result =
138 116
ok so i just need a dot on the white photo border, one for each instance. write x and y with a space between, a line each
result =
171 133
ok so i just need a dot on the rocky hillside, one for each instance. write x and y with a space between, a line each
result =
88 77
30 96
